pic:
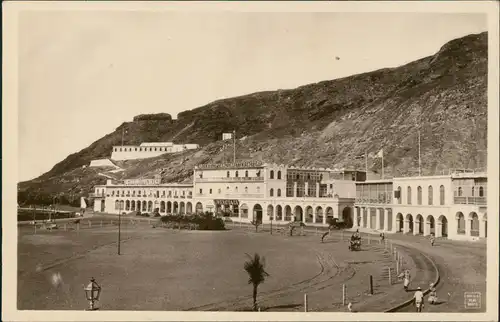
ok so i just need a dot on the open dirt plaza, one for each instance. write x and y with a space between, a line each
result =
169 270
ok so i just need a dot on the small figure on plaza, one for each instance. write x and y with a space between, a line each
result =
432 294
406 282
419 297
433 239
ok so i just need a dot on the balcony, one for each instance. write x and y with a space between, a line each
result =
470 200
372 201
97 195
230 179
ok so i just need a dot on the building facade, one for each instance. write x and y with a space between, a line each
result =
452 206
148 150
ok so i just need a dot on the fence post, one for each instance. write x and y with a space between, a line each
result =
344 294
371 285
305 302
390 277
397 268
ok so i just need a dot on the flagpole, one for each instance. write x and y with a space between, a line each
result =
419 161
382 164
366 162
234 146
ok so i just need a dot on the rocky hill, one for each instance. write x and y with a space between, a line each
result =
327 124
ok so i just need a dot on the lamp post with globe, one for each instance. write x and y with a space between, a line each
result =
92 294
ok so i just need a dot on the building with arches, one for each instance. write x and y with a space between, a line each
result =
452 206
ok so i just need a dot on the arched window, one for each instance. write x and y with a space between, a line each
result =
236 174
481 192
460 191
473 191
408 195
271 174
400 195
279 192
441 195
228 174
271 192
298 176
279 174
419 195
430 193
246 174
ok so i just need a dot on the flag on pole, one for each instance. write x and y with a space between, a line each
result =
227 136
380 153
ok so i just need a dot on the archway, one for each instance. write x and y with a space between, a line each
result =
150 206
319 215
122 205
199 208
365 217
169 207
409 221
132 205
347 217
444 225
419 221
399 223
270 213
144 206
373 218
474 224
244 211
329 214
189 208
103 206
288 213
279 212
257 213
298 213
389 220
381 218
176 207
460 223
162 206
309 214
431 226
182 208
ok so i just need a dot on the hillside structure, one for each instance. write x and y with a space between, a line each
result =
452 205
148 150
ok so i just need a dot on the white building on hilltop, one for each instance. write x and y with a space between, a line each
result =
148 150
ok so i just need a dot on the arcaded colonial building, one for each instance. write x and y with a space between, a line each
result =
148 150
452 206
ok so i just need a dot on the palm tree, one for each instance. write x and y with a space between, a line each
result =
256 274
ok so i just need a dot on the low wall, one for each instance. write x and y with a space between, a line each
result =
102 163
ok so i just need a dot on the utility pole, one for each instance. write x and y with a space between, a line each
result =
119 226
419 161
234 146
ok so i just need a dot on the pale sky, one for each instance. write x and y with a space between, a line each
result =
81 74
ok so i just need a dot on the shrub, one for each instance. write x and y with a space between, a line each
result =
205 221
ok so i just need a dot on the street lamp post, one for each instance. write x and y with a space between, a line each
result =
92 294
119 225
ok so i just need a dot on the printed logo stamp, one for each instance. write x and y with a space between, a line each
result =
472 300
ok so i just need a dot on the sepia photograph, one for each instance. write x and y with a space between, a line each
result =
250 161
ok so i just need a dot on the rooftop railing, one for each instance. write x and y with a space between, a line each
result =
230 179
